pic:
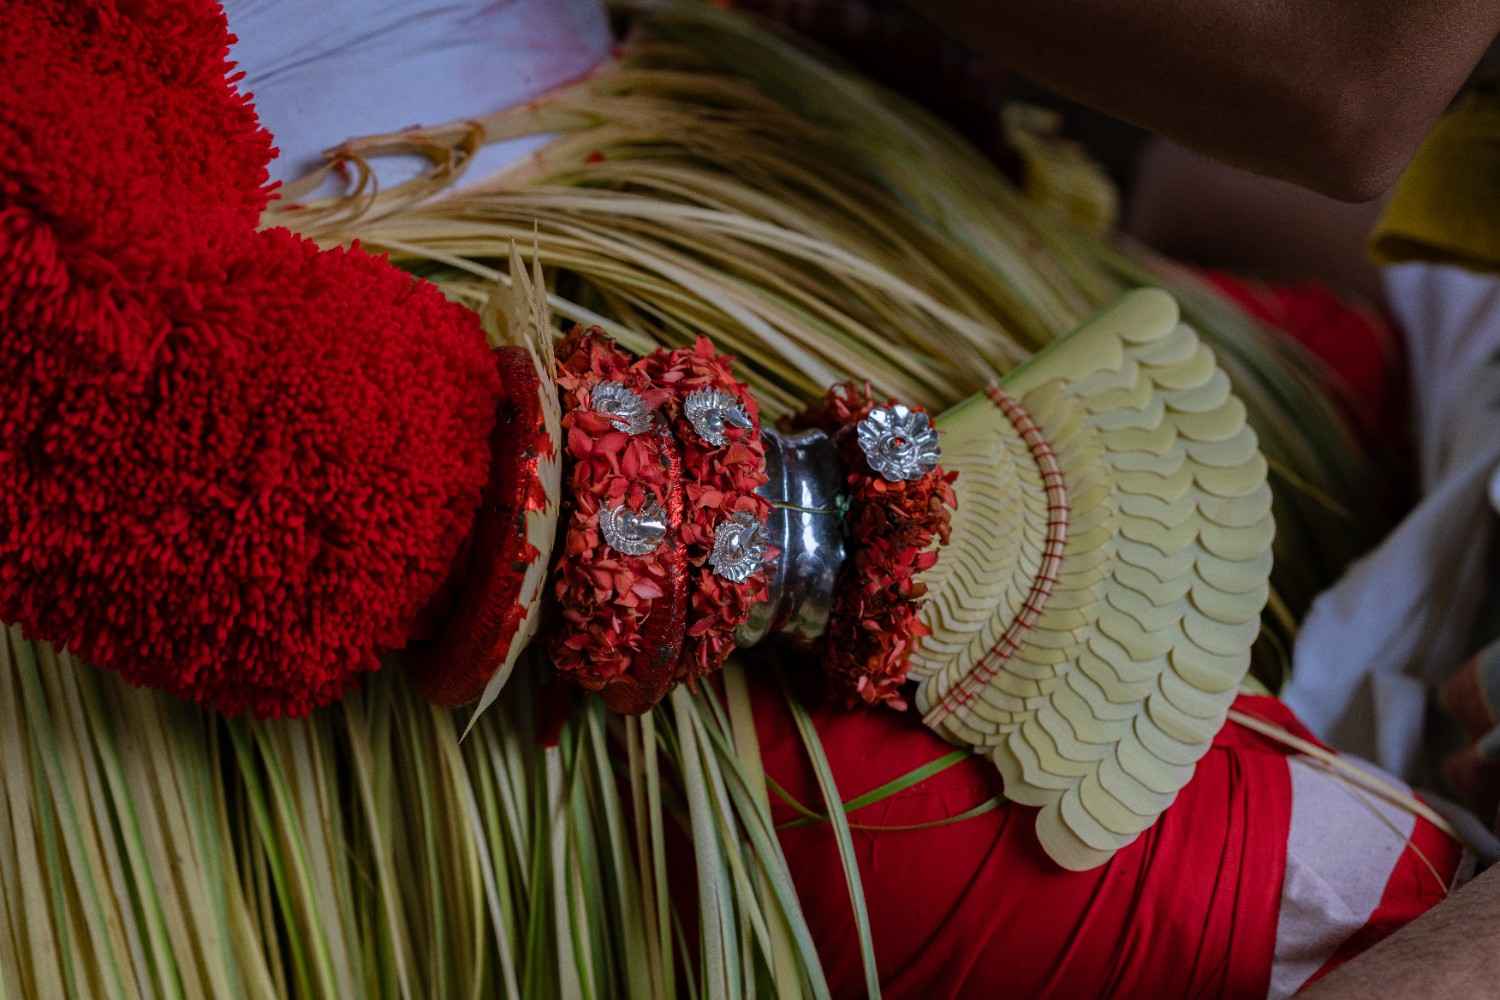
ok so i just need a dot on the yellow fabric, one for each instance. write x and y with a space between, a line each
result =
1446 208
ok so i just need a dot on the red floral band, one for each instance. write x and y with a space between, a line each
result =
891 528
717 424
623 614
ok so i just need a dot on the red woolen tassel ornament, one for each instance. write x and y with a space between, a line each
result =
232 466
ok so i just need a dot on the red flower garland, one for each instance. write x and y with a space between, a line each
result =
623 617
891 528
720 480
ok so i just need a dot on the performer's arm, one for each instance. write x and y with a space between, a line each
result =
1332 95
1453 950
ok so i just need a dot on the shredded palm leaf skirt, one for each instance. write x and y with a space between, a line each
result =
713 179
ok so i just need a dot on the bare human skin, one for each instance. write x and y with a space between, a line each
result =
1450 951
1334 95
1202 211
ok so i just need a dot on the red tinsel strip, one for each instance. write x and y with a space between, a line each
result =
1059 508
719 481
891 529
474 638
621 627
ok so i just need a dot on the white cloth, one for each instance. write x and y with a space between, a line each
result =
1341 851
328 71
1403 617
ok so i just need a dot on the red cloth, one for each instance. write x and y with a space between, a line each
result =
976 909
1357 344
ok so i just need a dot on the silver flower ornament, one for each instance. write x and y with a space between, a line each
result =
899 443
633 532
712 410
739 547
626 410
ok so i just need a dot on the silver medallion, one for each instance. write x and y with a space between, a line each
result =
898 443
710 411
633 532
739 547
625 409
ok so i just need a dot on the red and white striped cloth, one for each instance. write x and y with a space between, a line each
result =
1355 872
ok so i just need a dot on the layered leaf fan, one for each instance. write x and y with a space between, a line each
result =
1092 617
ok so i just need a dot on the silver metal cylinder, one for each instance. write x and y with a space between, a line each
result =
806 525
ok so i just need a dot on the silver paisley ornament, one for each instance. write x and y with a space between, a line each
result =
739 547
625 409
633 532
898 443
710 411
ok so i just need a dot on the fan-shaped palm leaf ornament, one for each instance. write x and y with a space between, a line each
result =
1092 617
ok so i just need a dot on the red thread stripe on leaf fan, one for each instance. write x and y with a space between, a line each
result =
1058 512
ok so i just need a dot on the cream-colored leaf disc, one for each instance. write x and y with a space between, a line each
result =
1098 705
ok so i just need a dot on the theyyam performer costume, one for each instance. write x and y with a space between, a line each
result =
634 369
